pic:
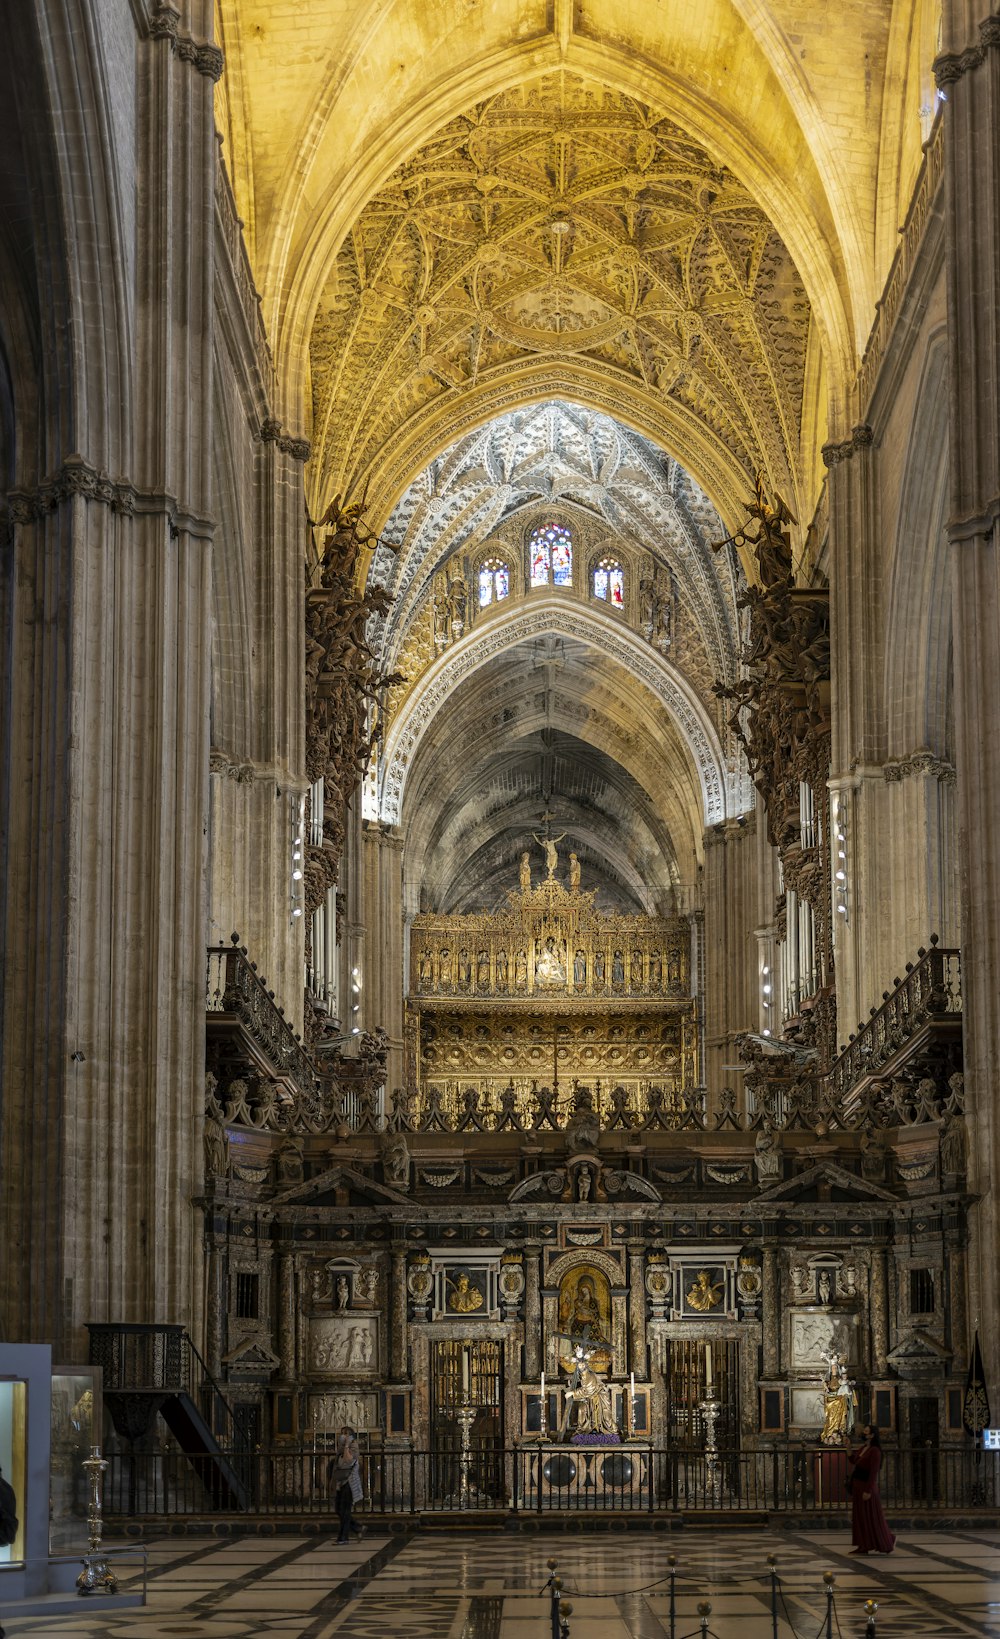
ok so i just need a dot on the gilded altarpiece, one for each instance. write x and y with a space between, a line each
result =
548 993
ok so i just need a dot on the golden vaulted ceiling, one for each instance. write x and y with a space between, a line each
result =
517 255
561 228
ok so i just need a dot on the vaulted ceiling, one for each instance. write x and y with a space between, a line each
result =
560 229
607 259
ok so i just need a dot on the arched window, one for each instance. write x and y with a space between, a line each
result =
550 554
609 582
494 581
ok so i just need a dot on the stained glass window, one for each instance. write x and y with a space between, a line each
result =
550 548
494 582
609 582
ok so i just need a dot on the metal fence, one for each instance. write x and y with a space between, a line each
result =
544 1478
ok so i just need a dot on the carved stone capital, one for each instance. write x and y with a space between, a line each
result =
271 432
75 477
951 65
201 54
834 453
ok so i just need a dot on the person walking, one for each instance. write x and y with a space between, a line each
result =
344 1479
870 1532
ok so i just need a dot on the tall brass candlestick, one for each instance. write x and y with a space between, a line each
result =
97 1572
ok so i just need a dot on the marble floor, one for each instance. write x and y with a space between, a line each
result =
469 1585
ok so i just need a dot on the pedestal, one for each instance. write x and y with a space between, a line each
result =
830 1477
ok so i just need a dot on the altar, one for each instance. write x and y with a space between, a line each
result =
553 1475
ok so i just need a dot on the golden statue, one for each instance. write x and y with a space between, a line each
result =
588 1393
524 872
466 1298
839 1403
705 1293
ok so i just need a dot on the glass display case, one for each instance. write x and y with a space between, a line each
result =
13 1425
76 1426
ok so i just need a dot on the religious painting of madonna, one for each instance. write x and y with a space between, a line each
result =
585 1310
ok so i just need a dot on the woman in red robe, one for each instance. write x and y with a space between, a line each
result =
869 1529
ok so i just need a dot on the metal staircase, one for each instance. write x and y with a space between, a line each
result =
156 1369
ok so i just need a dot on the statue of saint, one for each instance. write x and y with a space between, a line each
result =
580 968
524 872
705 1294
466 1298
839 1403
574 874
549 966
588 1394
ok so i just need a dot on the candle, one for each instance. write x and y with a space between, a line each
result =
631 1402
543 1387
465 1371
708 1365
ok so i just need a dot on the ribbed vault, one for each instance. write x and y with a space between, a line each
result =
560 227
550 727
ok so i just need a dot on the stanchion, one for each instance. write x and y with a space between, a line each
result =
871 1610
565 1612
704 1611
829 1579
772 1565
554 1585
672 1573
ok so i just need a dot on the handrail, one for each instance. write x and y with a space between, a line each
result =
930 991
540 1477
234 988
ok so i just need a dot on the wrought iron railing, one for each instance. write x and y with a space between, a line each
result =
544 1479
929 992
162 1360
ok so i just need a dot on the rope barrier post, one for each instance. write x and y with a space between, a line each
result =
704 1611
565 1612
672 1562
871 1609
829 1579
553 1585
772 1565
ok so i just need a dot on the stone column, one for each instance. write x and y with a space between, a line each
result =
958 1311
107 608
214 1301
770 1311
286 1317
878 1314
636 1312
383 904
969 73
398 1301
532 1314
732 912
